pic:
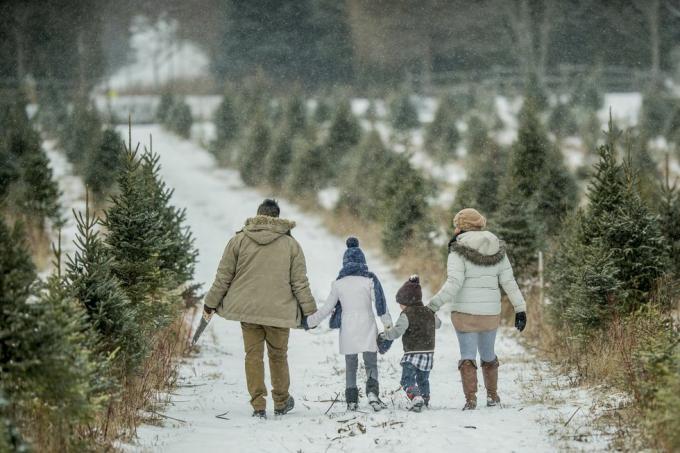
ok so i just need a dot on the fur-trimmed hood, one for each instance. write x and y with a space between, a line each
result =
479 247
264 229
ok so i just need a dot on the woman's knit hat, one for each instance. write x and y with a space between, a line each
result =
410 292
353 254
469 219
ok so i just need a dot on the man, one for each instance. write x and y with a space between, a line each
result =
262 282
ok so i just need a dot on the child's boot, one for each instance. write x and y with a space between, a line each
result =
490 373
468 376
352 398
426 400
417 401
372 392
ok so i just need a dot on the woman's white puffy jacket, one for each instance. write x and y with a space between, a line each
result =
476 269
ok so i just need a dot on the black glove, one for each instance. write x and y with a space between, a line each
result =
521 320
304 323
208 310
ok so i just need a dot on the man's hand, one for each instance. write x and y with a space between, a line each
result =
208 310
305 325
521 320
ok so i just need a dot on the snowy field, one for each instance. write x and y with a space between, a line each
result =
536 402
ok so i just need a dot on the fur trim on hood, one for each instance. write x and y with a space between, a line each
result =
264 229
479 247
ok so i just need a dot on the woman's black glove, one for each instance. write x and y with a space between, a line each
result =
521 320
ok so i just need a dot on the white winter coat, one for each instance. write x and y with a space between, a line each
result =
477 266
358 329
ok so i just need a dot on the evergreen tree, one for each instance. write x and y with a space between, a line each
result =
83 133
27 184
178 256
442 136
165 106
91 281
323 110
587 94
103 163
179 119
361 189
136 240
403 114
404 208
46 366
254 153
227 127
296 115
52 110
344 133
562 122
557 195
516 225
476 136
668 208
279 159
308 169
481 188
529 152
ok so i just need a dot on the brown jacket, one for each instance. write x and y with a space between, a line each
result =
262 277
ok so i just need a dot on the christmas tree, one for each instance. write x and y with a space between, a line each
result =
404 207
90 279
442 136
361 189
278 160
485 170
296 115
308 169
179 119
227 127
530 151
82 134
558 193
103 163
254 153
344 133
668 208
517 226
562 122
403 114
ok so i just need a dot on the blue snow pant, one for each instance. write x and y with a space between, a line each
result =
414 381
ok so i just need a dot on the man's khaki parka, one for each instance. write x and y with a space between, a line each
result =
262 277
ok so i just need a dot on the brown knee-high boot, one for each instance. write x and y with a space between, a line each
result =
468 375
490 373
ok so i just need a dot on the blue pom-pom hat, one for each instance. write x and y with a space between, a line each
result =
353 254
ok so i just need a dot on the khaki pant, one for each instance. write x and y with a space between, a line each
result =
254 338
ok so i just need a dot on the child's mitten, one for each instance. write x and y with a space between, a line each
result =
383 344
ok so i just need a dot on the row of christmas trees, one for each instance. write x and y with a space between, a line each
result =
282 146
76 350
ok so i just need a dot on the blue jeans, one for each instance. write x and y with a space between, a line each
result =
471 342
414 381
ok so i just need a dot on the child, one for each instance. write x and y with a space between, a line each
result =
351 301
416 325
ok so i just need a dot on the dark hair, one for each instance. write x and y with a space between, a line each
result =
269 207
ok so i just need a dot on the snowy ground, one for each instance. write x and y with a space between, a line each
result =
536 403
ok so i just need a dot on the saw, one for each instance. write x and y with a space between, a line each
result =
205 320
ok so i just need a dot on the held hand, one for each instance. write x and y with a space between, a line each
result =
520 320
208 310
305 325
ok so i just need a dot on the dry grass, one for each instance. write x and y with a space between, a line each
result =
144 392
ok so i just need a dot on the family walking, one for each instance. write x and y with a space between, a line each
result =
262 282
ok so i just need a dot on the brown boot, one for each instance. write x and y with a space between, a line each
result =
468 375
490 373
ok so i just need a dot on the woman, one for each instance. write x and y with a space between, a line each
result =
476 266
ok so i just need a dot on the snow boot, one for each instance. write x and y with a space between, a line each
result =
426 399
417 404
352 398
490 373
468 376
260 414
290 404
372 392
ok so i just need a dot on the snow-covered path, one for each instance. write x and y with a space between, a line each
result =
213 382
